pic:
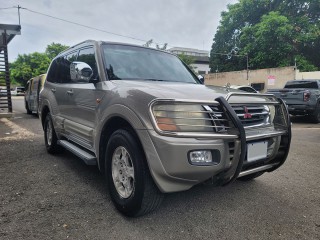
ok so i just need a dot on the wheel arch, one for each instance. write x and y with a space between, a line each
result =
44 112
121 118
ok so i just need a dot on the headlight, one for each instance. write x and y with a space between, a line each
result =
182 118
270 109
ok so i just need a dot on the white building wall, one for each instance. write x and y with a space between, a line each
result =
201 67
307 75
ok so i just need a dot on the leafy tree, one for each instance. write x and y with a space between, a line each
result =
29 65
187 59
54 49
272 32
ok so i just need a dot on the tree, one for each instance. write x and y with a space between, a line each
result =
54 49
30 65
272 32
187 59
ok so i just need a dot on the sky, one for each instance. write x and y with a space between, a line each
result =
180 23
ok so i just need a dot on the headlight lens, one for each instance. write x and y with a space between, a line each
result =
182 118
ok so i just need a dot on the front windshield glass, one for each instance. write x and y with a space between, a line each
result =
137 63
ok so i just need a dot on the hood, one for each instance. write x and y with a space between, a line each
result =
173 90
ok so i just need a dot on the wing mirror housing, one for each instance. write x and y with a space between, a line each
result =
201 79
81 72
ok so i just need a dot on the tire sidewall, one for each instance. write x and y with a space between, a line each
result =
52 148
131 205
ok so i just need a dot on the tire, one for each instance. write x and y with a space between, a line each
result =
50 137
250 176
130 184
315 116
27 108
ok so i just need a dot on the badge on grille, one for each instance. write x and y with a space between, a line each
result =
246 113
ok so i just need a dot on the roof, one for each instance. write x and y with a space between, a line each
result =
189 50
10 30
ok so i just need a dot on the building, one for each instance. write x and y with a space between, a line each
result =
201 58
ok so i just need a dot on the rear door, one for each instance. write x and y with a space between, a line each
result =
33 94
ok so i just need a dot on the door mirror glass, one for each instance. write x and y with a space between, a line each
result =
80 72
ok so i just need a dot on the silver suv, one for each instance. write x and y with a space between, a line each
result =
152 127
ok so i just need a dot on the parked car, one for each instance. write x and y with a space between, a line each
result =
3 92
245 88
31 97
302 98
152 127
18 91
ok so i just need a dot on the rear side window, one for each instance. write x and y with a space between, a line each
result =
301 84
52 73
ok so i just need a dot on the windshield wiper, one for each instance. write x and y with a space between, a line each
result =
156 80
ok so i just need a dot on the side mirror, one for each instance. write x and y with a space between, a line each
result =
80 71
201 79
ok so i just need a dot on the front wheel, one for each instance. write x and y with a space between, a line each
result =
130 184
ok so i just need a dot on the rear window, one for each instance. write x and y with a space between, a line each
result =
301 84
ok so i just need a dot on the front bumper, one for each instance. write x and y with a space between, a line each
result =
167 156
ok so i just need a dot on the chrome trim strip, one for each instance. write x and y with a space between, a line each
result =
200 135
265 135
229 95
258 169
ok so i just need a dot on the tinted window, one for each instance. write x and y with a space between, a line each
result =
136 63
87 56
52 74
301 84
247 89
64 66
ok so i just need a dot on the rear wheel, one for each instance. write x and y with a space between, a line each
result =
315 116
130 184
27 108
250 176
50 137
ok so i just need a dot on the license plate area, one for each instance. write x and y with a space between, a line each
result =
256 151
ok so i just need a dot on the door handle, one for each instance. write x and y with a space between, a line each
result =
70 92
53 90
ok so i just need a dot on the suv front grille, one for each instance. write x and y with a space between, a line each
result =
252 116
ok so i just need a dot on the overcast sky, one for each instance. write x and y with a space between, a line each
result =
180 23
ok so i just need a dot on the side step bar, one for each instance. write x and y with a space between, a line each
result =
258 169
87 157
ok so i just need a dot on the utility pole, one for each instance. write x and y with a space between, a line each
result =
19 13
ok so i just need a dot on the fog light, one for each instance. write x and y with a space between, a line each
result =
202 156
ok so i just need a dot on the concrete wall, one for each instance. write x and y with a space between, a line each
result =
307 75
271 77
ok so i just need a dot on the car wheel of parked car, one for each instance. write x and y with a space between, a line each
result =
250 176
27 108
315 116
130 184
50 137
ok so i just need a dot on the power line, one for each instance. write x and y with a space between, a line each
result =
6 8
85 26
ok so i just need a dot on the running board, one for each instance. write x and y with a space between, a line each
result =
87 157
258 169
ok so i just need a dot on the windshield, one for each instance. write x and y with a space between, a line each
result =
301 84
137 63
